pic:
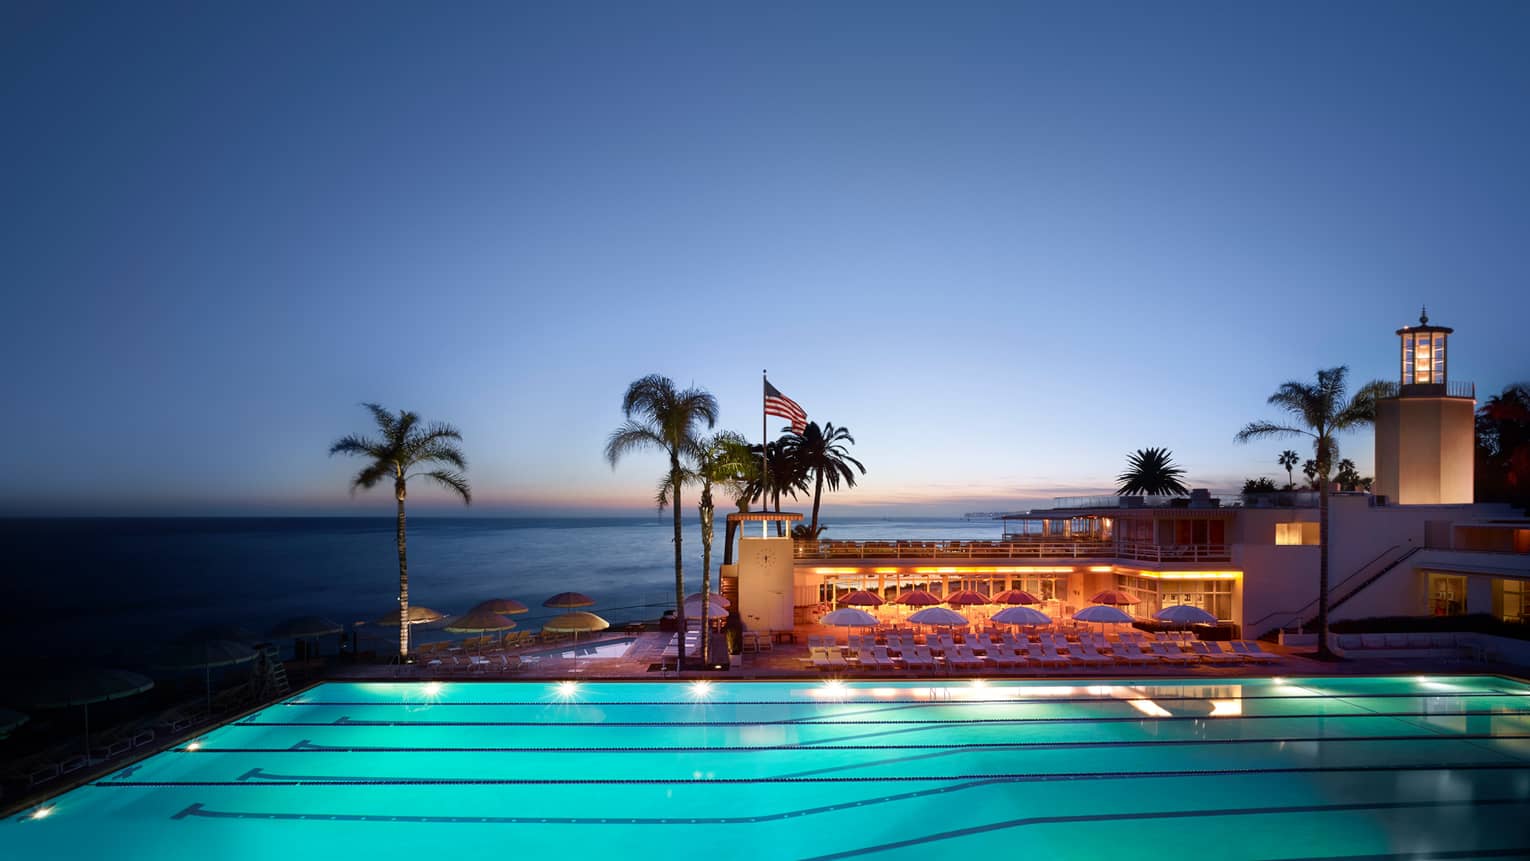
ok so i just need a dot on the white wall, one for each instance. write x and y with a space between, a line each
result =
765 583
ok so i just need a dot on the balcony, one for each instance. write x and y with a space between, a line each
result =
1034 548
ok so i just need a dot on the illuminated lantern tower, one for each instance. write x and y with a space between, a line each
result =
1425 433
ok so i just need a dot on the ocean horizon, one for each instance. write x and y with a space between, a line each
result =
79 588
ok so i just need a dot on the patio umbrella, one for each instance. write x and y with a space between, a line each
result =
862 598
569 601
1111 596
849 617
479 621
231 633
576 623
917 598
9 720
84 687
715 608
713 596
202 655
1185 614
1022 616
417 616
1102 613
305 627
966 598
503 606
938 616
1015 596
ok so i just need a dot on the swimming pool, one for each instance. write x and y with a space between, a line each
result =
1255 768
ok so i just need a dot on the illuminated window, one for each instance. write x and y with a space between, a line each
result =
1296 533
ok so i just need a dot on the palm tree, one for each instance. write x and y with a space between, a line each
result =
1321 411
720 459
1151 471
405 445
1289 459
668 419
1310 469
1347 476
784 476
821 451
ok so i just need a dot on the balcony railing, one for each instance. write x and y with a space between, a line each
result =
1022 549
1447 389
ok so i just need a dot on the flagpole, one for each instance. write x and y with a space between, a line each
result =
764 461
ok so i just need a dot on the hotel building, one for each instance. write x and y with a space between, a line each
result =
1418 545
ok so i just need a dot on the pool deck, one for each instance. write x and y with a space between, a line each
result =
790 660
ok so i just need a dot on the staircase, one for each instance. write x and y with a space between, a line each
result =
270 679
1371 575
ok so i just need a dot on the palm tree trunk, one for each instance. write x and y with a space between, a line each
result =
674 472
817 498
1322 618
403 577
780 526
706 570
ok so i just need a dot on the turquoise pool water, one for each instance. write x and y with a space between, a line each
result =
1258 768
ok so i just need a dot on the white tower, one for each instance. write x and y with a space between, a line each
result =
1425 432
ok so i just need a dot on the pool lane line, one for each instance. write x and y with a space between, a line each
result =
347 721
306 746
267 779
926 840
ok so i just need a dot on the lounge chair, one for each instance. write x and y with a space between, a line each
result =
1171 654
824 659
1211 655
1050 658
1005 656
1250 649
963 658
919 658
1088 654
1133 654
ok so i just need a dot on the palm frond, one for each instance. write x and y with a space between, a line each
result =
356 444
370 475
386 422
630 437
1260 430
451 480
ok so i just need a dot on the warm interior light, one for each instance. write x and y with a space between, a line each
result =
1150 708
1226 708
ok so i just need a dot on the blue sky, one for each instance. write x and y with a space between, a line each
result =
1004 244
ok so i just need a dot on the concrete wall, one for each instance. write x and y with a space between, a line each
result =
765 583
1424 450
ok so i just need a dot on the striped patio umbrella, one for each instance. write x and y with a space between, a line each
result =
479 621
862 598
941 617
966 598
917 598
305 627
503 606
417 616
1015 596
714 596
576 624
849 617
569 601
82 688
1102 613
1184 614
1113 597
1018 615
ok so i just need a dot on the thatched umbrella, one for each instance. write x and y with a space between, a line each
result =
569 601
479 621
576 624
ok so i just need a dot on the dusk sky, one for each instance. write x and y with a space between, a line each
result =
1005 244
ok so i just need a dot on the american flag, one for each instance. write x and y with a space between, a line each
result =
781 406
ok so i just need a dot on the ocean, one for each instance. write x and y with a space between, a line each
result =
108 590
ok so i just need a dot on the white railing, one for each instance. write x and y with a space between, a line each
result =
1026 549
